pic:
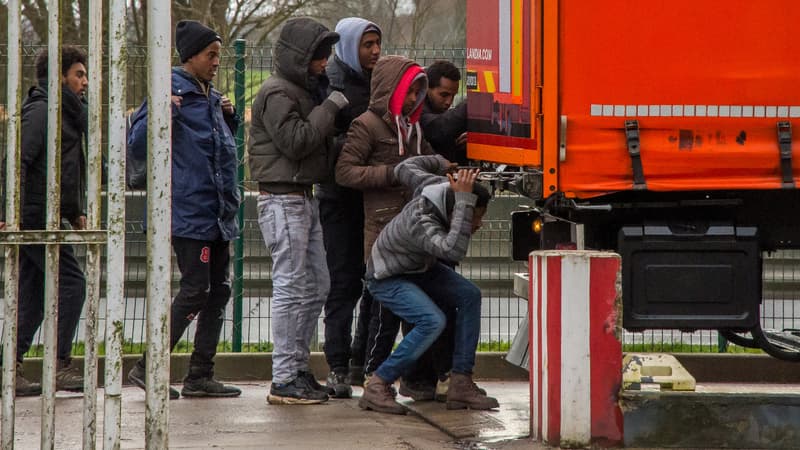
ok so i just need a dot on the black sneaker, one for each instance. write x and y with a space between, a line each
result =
295 392
418 391
137 376
68 377
309 377
340 384
208 387
356 374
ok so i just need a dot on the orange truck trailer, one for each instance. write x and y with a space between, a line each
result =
660 129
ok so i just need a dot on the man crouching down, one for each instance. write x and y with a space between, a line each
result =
405 274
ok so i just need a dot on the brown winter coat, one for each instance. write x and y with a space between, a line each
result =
371 152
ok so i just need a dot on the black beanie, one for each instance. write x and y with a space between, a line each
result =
191 37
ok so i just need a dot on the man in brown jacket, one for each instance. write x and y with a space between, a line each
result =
386 134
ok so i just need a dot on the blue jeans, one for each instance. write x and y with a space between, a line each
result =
414 298
300 282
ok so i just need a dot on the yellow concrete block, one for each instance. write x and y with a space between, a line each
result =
655 368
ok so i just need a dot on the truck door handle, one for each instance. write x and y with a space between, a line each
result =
562 148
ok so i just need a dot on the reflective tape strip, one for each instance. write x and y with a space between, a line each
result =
723 111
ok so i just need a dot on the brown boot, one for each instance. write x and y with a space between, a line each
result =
25 387
378 397
464 394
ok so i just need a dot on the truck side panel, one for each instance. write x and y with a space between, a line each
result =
707 81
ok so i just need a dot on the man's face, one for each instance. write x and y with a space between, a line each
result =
477 218
204 65
411 96
441 97
369 50
317 67
76 79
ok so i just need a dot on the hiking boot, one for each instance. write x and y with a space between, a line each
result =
378 397
356 374
137 376
208 387
295 392
68 377
443 385
417 390
340 384
312 381
464 394
391 386
25 387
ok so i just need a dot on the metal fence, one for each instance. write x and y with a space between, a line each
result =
488 262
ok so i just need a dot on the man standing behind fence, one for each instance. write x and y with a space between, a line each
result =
290 138
341 212
33 181
205 200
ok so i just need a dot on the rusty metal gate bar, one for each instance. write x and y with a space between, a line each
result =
53 222
115 256
13 111
93 210
159 222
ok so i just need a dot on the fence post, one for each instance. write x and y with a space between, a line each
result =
94 252
53 222
115 275
575 347
12 218
238 247
159 219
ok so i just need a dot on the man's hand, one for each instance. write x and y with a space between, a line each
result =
463 180
227 106
176 100
79 223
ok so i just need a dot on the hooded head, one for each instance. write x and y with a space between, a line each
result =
443 199
351 30
392 79
299 40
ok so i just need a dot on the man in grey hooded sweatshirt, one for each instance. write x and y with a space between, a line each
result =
406 275
289 149
342 212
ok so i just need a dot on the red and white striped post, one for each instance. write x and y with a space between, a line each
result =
574 313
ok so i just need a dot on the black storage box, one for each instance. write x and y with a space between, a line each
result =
690 276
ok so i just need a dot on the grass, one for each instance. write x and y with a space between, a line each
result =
79 349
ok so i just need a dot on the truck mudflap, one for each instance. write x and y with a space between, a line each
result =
690 276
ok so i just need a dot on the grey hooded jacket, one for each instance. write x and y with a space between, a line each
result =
423 233
291 132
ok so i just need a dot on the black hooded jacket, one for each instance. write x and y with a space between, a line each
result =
33 180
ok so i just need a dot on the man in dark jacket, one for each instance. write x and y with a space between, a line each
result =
33 173
445 128
341 212
205 200
290 138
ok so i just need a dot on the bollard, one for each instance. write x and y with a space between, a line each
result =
574 314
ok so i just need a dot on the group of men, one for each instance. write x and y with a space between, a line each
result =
360 198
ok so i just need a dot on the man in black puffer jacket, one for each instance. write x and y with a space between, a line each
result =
72 283
341 212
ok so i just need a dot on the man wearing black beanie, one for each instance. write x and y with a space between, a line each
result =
205 200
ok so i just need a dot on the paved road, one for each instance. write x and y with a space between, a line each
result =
248 422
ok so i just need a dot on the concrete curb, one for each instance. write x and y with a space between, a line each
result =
258 367
705 367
